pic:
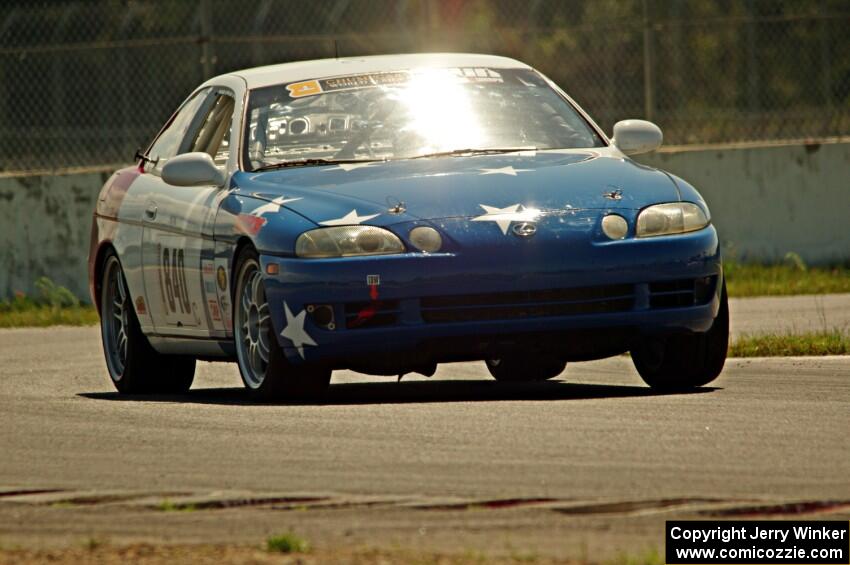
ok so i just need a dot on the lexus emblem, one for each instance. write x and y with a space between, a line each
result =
524 229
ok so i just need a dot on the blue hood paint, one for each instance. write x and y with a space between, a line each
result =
456 187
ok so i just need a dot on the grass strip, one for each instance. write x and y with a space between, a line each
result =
751 279
43 316
831 342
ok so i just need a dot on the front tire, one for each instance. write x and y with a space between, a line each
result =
134 366
685 361
264 369
521 368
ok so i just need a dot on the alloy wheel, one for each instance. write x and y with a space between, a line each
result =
115 319
253 325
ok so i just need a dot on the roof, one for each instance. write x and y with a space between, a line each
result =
259 77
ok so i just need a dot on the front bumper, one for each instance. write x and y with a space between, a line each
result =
429 307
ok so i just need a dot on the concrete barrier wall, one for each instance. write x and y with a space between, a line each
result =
45 226
766 201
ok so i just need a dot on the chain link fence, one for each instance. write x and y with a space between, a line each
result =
86 83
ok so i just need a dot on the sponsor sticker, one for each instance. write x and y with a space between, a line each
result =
392 78
304 88
208 273
224 294
312 87
215 312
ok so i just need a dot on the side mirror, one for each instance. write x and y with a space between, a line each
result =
637 136
192 169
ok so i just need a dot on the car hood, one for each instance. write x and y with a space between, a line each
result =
458 187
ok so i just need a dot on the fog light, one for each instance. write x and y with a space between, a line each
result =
426 239
322 315
703 289
614 226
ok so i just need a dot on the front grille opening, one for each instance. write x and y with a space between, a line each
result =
527 304
363 315
681 293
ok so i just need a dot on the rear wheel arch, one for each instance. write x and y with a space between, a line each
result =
106 248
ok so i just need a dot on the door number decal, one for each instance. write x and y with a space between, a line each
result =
172 280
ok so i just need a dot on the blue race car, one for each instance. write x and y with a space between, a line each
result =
386 214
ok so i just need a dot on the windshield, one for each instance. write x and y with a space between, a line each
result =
408 114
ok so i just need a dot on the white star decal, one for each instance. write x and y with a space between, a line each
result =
504 216
294 330
350 219
509 170
273 206
350 166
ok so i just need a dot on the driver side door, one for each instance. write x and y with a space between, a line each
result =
177 234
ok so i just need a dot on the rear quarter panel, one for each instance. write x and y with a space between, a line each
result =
116 224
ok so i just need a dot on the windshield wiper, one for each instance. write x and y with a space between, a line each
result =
474 151
315 161
312 161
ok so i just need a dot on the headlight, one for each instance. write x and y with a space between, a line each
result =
347 241
666 219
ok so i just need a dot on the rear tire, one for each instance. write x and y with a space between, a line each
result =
264 368
134 366
519 368
685 361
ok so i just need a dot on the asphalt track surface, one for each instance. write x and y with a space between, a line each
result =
592 460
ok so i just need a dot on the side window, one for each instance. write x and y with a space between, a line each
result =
167 145
213 137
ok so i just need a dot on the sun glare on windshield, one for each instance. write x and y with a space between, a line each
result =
440 112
